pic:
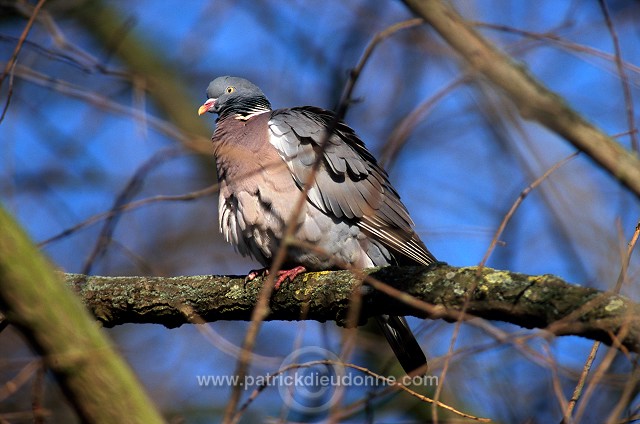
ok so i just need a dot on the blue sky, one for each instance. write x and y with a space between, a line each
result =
64 159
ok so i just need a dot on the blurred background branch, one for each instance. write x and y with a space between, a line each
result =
532 99
98 383
99 90
160 79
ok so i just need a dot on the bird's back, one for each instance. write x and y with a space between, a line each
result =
349 185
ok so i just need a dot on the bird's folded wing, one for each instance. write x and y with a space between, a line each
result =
349 184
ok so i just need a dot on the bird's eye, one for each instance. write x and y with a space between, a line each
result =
230 89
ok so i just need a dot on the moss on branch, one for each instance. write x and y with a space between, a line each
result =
540 301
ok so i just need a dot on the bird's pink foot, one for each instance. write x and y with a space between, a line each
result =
290 274
283 274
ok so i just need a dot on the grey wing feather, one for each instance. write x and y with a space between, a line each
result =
349 182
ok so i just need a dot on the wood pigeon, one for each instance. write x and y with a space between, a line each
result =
352 215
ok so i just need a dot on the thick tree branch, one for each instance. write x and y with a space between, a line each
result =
543 301
532 99
97 382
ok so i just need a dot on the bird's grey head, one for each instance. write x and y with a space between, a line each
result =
234 95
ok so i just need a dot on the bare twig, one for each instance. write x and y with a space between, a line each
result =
408 123
16 383
578 391
624 79
5 109
127 207
386 380
554 39
37 393
261 309
555 377
626 259
14 56
193 142
133 186
533 100
492 245
524 193
345 100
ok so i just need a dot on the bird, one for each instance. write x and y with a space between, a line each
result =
352 215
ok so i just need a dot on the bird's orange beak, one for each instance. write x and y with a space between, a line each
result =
206 107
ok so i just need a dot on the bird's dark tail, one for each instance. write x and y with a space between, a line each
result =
403 342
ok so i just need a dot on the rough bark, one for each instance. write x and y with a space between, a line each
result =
541 301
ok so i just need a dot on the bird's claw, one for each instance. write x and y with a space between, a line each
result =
283 275
290 274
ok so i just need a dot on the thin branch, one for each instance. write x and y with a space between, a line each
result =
398 385
345 100
123 198
598 375
532 99
554 39
5 109
626 260
14 56
262 306
624 79
190 140
555 377
193 195
472 289
516 204
577 391
404 129
16 383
